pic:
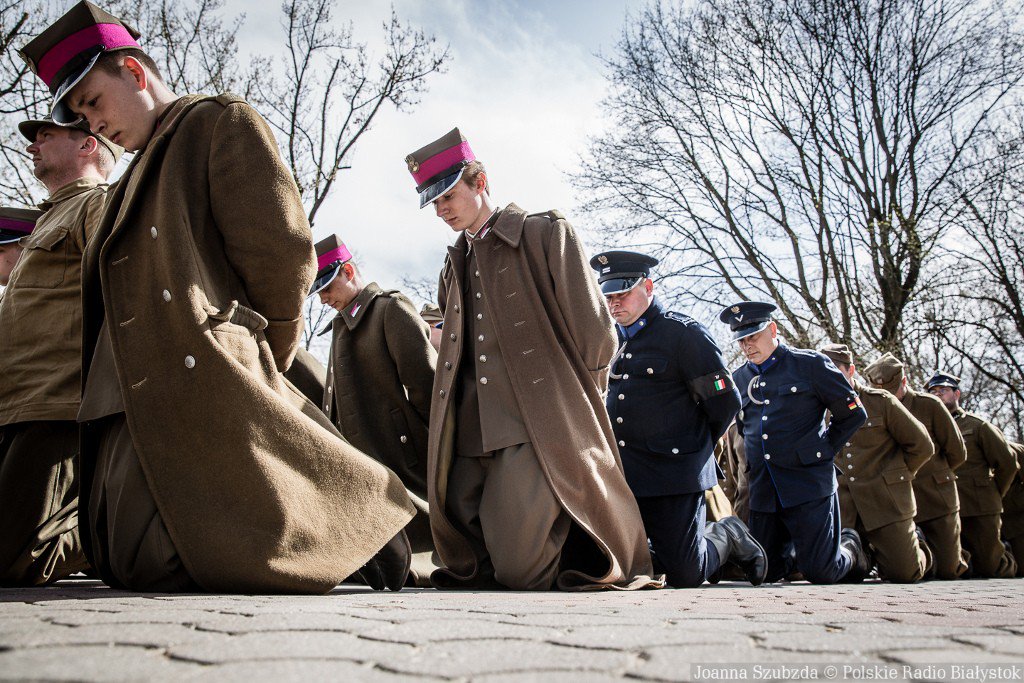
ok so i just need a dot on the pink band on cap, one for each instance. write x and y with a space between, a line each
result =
340 254
14 224
110 36
443 160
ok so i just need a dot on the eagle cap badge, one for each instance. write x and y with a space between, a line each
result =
602 259
413 164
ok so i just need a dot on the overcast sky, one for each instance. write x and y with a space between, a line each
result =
523 85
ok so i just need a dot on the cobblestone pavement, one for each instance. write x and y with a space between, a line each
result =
81 630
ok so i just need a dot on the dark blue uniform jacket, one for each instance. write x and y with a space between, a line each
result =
789 447
671 402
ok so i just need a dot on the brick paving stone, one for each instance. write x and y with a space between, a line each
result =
288 645
299 672
478 657
80 630
92 663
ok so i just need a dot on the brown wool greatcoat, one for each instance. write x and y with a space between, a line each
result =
990 468
205 257
556 334
879 462
308 375
379 380
935 483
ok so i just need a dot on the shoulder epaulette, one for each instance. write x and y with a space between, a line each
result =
679 318
228 98
553 214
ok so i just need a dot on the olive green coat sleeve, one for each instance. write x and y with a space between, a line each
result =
252 253
999 456
580 300
408 343
910 434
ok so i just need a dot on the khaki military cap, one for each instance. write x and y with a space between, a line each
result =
838 353
432 314
29 129
885 373
331 255
436 167
68 48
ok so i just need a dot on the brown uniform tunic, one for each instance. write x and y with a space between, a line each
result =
938 505
875 495
982 481
379 375
41 367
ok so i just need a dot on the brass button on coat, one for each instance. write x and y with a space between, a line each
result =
152 231
403 438
190 362
483 380
167 295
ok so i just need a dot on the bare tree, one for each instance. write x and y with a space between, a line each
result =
978 320
800 151
193 46
327 91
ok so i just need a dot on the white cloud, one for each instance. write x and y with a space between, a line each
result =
522 85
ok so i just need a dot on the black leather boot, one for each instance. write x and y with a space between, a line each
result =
389 568
849 540
735 544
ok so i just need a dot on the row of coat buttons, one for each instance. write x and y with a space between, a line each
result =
190 361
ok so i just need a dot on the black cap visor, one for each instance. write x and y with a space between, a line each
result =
60 112
438 188
942 383
619 285
325 277
749 329
11 236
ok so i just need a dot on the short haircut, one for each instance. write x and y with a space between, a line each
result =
110 62
105 161
472 172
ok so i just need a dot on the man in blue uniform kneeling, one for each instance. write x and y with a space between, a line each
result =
670 399
785 393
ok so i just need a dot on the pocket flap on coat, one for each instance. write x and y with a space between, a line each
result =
46 240
944 477
896 476
815 453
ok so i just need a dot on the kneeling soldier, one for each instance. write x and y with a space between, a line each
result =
938 505
201 468
380 350
526 487
670 398
785 394
878 463
982 482
41 358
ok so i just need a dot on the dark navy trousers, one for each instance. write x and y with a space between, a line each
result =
675 528
813 528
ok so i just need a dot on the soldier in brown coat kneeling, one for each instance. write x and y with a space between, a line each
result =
201 467
526 487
